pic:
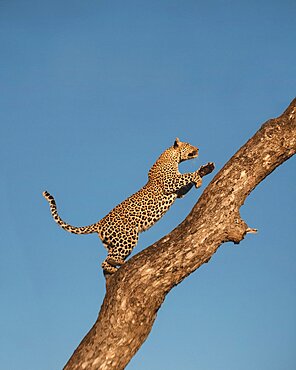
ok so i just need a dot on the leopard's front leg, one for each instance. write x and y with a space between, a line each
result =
201 172
181 183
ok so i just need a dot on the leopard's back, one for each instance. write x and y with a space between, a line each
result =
141 210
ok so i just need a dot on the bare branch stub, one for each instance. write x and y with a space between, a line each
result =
135 293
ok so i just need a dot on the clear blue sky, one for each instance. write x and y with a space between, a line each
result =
91 93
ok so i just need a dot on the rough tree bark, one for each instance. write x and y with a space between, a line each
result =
135 293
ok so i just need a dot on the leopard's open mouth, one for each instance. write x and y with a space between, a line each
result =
193 154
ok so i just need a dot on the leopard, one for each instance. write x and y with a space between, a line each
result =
119 230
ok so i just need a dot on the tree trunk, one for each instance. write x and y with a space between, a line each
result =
135 293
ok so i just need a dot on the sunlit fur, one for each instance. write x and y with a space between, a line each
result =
119 229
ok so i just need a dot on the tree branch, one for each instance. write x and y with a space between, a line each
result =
135 293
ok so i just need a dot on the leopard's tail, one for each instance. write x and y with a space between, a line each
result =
72 229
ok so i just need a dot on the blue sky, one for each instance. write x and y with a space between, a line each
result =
91 92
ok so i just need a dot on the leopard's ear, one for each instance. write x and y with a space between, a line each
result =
176 143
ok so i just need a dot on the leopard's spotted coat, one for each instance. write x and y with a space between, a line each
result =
119 229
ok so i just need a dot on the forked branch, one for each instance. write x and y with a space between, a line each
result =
135 293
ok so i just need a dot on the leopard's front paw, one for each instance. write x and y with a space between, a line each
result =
206 169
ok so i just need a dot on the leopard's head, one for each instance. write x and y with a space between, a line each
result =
185 151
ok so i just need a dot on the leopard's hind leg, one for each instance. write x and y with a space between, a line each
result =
107 268
120 250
